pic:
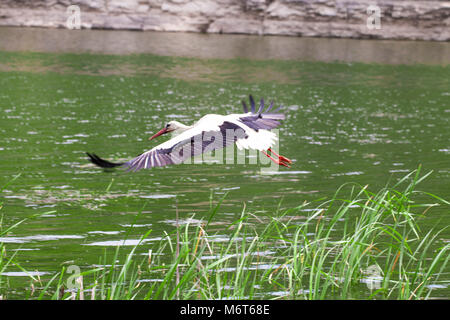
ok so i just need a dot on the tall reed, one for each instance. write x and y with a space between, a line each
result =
358 244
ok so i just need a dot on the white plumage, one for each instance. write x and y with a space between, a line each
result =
249 130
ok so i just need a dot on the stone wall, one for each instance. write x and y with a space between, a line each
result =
399 19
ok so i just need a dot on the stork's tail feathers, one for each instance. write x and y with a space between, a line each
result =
102 163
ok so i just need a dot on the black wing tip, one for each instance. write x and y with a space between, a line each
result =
269 107
244 105
252 103
261 106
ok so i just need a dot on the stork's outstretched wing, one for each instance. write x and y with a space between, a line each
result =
210 133
263 119
180 148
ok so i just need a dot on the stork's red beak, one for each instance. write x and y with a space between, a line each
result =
160 132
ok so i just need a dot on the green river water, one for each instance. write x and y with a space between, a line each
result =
369 122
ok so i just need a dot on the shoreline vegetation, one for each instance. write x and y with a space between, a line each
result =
358 244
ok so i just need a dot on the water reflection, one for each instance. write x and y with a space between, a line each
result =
126 242
224 46
24 273
38 237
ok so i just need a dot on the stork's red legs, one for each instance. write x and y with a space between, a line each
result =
282 161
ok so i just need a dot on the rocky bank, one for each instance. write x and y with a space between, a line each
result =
380 19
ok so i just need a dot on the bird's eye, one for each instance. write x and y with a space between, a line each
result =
167 125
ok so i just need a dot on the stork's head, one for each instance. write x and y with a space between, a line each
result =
171 126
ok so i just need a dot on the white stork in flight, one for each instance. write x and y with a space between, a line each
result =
249 130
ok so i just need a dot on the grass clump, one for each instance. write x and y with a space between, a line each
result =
357 245
7 260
